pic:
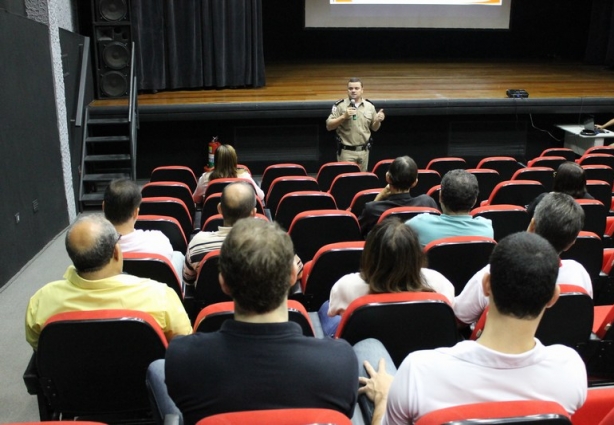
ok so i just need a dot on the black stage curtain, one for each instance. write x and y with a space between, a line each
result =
600 46
198 44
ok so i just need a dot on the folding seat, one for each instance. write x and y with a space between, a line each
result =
597 409
487 180
588 251
155 267
506 166
601 191
171 207
171 189
330 170
608 150
566 153
404 322
506 219
346 185
92 364
515 192
283 185
217 220
206 288
167 225
210 318
380 169
595 214
459 257
209 208
599 172
296 202
517 412
244 167
434 193
426 180
544 175
278 416
175 173
568 322
547 161
329 264
360 199
218 185
405 213
280 170
311 230
445 164
597 159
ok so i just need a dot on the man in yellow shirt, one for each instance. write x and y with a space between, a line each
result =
95 281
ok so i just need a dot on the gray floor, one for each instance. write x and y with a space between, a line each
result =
16 405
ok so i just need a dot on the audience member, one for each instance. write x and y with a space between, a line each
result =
225 166
122 199
259 360
459 192
401 177
569 178
506 363
95 281
392 261
558 219
237 201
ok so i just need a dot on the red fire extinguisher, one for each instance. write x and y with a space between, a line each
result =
212 147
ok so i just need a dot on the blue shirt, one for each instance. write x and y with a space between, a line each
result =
430 227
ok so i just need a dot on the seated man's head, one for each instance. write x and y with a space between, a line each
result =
570 178
459 192
257 266
91 243
523 272
121 201
238 201
402 174
558 218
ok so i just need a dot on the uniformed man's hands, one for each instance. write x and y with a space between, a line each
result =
380 116
350 112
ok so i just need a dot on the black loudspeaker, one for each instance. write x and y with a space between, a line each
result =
112 34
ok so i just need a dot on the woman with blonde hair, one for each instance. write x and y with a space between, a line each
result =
225 166
392 261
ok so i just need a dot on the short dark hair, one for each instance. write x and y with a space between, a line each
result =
238 200
355 80
459 190
403 172
523 273
392 259
570 178
121 198
256 263
559 219
94 257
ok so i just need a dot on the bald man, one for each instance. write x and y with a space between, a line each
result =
95 281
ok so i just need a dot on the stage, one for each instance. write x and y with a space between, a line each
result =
296 90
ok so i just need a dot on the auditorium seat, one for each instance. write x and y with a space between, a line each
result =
544 175
506 166
599 172
588 251
566 153
515 192
444 164
597 159
380 169
595 214
171 207
280 170
346 185
547 161
403 322
487 180
434 194
283 185
506 219
278 416
517 412
167 225
607 149
174 173
296 202
218 185
361 198
426 180
330 170
601 191
406 213
155 267
206 288
92 364
217 220
597 408
209 208
171 189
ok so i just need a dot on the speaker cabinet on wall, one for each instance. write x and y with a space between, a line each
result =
113 41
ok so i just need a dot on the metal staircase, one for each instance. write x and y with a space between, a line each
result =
109 148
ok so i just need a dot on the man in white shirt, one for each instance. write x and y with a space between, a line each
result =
559 219
122 200
506 363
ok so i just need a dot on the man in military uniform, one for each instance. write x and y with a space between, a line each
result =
353 118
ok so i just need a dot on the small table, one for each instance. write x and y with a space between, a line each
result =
580 143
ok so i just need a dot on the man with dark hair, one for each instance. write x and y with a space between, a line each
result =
238 201
122 199
259 360
506 363
558 219
459 192
95 281
401 177
353 119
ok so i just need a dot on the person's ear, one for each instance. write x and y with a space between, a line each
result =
293 273
225 288
414 184
219 208
531 228
555 296
388 179
253 213
135 213
486 285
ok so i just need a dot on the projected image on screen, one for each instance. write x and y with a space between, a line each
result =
449 14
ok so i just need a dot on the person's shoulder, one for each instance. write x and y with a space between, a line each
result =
369 102
339 102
